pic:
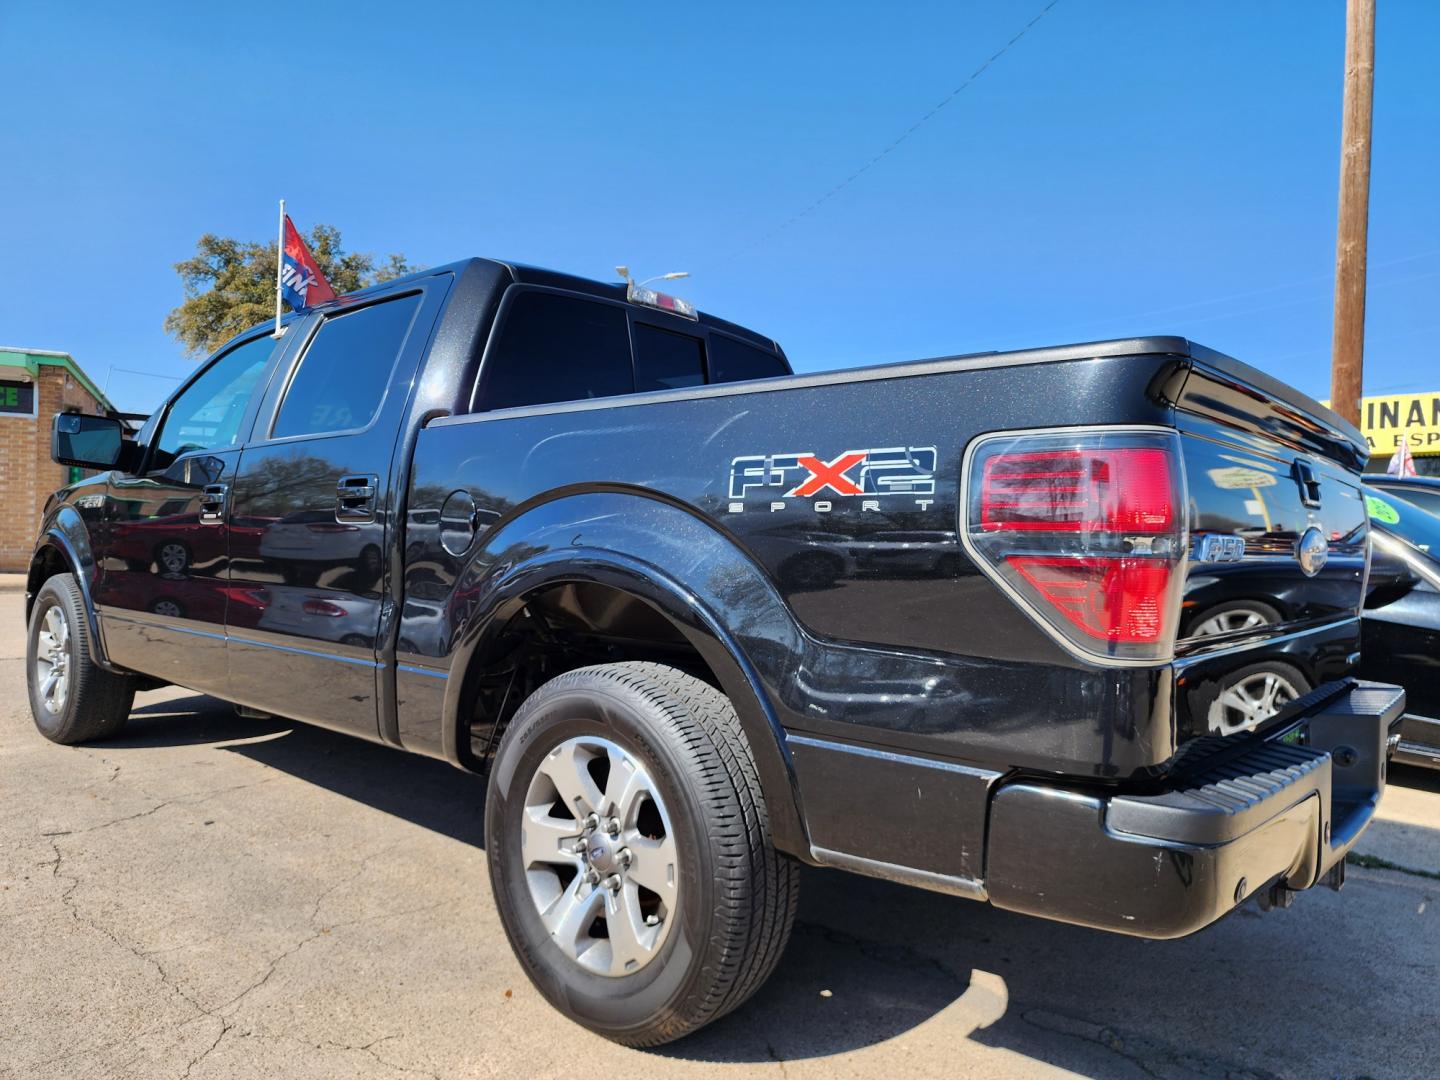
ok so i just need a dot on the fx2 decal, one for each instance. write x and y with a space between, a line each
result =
869 475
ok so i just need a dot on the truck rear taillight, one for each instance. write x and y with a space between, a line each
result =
1109 599
1086 531
1071 490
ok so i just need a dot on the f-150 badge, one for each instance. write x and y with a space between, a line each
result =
1219 547
870 475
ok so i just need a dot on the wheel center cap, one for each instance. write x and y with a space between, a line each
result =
600 852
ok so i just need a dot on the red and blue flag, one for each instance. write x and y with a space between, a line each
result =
301 282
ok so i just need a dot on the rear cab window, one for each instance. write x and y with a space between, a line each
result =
555 347
666 360
552 346
733 360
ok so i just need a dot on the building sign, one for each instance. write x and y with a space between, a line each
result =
1384 419
17 399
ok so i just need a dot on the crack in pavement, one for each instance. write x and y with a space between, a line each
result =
67 900
192 798
225 1028
1143 1053
871 949
360 868
1375 862
202 1012
367 1049
775 1057
1147 1055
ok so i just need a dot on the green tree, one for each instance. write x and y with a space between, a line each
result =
230 284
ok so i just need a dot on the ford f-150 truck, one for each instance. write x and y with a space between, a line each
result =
701 620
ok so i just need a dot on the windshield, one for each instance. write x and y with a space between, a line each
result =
1399 518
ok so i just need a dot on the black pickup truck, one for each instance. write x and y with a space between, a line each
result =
957 622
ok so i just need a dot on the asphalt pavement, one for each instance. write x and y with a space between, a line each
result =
208 896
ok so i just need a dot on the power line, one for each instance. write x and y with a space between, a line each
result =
1326 279
1384 339
1301 300
1081 328
902 137
147 374
131 371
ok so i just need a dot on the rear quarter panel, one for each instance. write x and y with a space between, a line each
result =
883 631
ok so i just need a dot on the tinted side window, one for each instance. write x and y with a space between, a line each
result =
557 348
732 360
665 360
343 375
207 414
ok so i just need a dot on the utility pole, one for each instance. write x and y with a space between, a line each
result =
1348 353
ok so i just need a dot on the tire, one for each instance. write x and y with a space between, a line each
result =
86 702
1245 710
718 931
169 606
1232 616
172 558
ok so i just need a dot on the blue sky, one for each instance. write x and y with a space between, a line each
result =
1126 168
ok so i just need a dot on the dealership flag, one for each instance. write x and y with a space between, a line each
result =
1401 462
298 278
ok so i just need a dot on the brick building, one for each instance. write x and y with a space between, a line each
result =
34 386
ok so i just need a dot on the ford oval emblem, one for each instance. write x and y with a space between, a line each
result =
1312 550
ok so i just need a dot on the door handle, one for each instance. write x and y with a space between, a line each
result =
212 503
355 497
1308 483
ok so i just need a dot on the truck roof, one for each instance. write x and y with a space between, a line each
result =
525 274
1143 345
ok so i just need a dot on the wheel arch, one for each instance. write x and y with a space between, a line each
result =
607 558
64 547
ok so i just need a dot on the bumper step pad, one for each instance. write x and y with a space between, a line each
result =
1227 796
1236 814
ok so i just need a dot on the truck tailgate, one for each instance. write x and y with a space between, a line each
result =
1278 545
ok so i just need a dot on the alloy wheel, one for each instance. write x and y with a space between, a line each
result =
174 558
1251 701
1229 621
52 660
600 857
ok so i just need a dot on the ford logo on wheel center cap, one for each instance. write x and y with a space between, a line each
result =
1312 550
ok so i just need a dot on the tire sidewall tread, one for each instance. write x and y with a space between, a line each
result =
99 701
738 895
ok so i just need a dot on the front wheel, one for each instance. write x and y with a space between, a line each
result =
630 852
72 699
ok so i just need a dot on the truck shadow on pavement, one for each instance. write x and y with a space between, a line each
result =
432 794
871 962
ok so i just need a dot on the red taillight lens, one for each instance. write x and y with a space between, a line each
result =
1086 531
1119 600
1127 489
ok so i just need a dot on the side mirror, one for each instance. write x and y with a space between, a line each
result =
1391 576
93 442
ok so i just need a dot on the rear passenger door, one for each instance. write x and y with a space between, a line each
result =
312 521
